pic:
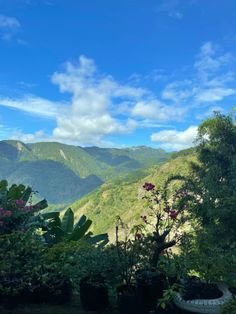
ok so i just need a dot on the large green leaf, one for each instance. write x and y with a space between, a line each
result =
40 205
55 222
68 221
26 195
50 215
54 235
98 238
80 222
79 232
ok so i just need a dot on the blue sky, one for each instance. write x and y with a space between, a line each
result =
115 73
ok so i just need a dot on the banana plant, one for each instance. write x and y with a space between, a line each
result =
65 230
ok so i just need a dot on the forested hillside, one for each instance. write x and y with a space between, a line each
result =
64 173
123 196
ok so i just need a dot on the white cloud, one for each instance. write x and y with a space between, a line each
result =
89 117
9 22
214 94
178 91
34 105
171 8
211 82
176 15
29 137
175 140
157 111
208 63
9 26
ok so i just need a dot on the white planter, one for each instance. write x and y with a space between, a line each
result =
204 306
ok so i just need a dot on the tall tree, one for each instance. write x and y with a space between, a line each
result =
213 194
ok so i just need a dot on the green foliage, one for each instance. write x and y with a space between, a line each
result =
123 196
131 251
209 261
64 229
168 295
229 307
25 276
212 187
16 208
215 176
78 259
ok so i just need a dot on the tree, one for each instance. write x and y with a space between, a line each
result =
216 175
213 190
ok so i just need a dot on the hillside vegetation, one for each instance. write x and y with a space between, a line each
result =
64 173
123 196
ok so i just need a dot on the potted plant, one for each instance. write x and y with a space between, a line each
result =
128 247
99 273
94 293
206 291
150 286
160 233
201 297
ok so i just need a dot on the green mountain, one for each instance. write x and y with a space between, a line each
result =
123 196
64 173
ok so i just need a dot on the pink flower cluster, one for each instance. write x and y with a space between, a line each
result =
28 208
5 213
148 186
20 202
171 213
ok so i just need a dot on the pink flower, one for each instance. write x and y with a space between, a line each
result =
7 213
173 214
28 207
167 209
138 236
20 202
148 186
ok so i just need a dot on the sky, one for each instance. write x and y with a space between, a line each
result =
115 73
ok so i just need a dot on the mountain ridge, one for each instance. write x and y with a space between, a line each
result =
84 168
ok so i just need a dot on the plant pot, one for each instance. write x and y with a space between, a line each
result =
93 294
204 306
150 288
129 301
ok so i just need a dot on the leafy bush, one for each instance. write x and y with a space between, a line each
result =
229 307
16 208
24 274
78 259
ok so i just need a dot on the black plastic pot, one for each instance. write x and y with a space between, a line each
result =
59 292
93 294
150 288
129 300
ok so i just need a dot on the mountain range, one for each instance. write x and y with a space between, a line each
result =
64 173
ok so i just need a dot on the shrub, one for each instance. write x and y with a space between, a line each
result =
16 208
24 274
229 307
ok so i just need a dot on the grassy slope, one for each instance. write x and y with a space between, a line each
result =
123 196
